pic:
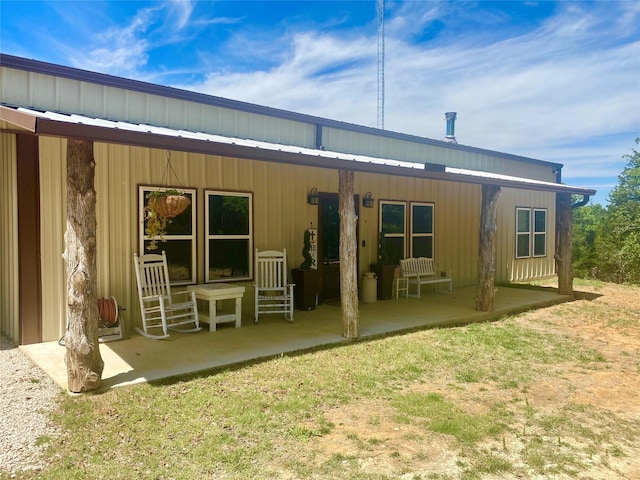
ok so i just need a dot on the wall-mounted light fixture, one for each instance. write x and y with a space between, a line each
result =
313 198
367 200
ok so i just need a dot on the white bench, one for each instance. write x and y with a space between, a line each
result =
421 271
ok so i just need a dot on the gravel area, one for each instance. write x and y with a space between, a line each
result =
27 397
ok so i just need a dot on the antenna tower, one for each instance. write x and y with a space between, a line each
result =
380 9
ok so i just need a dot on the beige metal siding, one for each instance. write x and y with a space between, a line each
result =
14 87
456 220
53 188
339 140
281 214
62 94
365 144
508 268
9 306
116 226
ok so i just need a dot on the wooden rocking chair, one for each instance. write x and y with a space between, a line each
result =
156 302
272 292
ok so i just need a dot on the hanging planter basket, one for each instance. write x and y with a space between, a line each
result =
169 206
162 206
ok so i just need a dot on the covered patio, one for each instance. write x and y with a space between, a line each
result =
137 359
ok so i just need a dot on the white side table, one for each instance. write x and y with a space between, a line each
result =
212 293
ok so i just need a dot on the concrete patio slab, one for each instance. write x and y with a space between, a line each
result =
137 359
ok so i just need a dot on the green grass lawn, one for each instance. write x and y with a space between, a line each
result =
441 404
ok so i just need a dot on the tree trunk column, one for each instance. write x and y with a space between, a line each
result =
348 261
84 363
486 291
564 244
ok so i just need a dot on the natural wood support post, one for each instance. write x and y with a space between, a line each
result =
348 260
564 243
486 291
84 363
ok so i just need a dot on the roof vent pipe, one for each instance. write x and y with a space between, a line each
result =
450 117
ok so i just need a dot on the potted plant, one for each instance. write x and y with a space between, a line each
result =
384 270
162 206
305 278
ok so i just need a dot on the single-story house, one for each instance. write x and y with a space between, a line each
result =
257 177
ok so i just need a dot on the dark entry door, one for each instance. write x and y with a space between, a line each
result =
329 245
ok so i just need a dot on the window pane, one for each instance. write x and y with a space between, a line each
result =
179 236
228 215
179 259
228 258
395 249
392 218
180 224
540 245
522 248
422 218
524 220
540 221
423 247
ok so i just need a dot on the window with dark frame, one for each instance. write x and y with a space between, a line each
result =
523 232
405 229
421 230
228 235
539 232
179 241
393 225
531 232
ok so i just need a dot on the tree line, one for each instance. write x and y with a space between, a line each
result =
606 240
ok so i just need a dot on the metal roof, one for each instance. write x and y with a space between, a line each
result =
71 125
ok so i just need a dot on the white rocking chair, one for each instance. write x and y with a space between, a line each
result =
156 303
272 292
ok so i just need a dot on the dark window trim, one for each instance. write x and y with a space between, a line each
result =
141 234
433 225
251 196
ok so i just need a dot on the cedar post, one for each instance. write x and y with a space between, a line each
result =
564 232
486 291
348 260
84 363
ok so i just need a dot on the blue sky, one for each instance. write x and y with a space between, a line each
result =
557 81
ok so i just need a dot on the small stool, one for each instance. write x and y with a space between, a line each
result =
401 284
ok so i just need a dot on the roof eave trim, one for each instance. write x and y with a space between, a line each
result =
55 128
19 119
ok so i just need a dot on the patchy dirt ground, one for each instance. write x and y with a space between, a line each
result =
616 388
593 409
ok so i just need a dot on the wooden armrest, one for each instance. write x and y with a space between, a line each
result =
185 292
151 298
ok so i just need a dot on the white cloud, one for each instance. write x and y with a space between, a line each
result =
315 76
539 93
119 50
566 90
180 11
125 49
